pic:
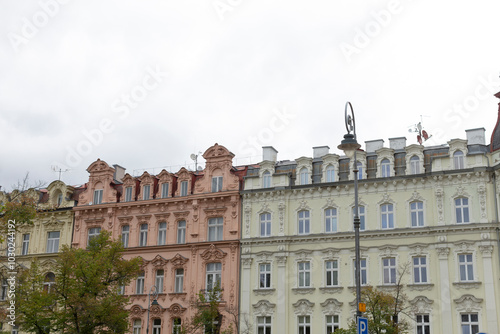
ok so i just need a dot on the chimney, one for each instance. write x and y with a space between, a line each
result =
476 136
320 151
269 153
119 173
397 143
373 145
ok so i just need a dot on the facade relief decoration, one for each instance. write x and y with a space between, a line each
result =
213 254
303 307
331 306
468 303
263 308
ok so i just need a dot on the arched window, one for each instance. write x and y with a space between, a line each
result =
304 176
458 160
266 179
49 282
330 174
359 166
385 167
415 165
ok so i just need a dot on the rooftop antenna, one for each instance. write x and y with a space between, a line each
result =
59 170
418 128
194 157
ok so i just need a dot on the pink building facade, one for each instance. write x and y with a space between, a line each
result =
185 226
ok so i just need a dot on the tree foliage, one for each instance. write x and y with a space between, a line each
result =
86 296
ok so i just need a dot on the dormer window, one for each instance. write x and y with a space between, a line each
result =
184 188
266 179
59 199
216 184
415 165
385 167
330 174
164 190
458 160
359 166
304 176
98 196
146 189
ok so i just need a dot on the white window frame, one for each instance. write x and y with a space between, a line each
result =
472 326
146 190
49 281
128 194
466 266
176 325
363 276
304 222
304 274
98 196
331 221
386 216
179 280
213 275
59 199
181 232
164 189
458 160
304 324
330 173
93 232
143 235
125 235
304 176
159 279
137 326
266 179
332 322
385 168
359 166
414 165
462 210
162 233
265 275
184 188
389 270
423 323
264 325
53 242
265 224
157 326
420 272
362 217
332 273
417 214
217 183
139 284
215 229
26 244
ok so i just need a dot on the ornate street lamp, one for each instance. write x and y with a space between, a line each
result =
349 145
154 292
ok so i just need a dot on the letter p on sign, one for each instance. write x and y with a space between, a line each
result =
362 325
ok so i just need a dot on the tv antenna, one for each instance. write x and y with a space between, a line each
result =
59 170
418 128
194 157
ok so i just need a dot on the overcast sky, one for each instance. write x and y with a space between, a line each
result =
144 84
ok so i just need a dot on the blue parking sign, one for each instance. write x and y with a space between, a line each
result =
362 325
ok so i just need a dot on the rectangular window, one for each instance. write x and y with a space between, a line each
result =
157 326
181 232
466 267
263 325
386 168
121 290
304 223
423 324
145 192
363 272
265 224
159 280
184 188
93 232
137 326
387 216
179 280
139 287
462 210
5 287
419 269
332 323
216 184
128 194
264 276
304 324
162 233
215 226
417 214
332 273
470 323
176 326
330 174
330 220
361 215
266 179
143 235
26 244
53 241
213 275
98 196
389 268
164 190
125 235
304 269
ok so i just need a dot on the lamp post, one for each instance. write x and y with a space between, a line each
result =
349 145
153 291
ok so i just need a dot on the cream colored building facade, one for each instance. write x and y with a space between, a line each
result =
432 210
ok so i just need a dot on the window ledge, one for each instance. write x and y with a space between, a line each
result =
303 291
420 287
467 285
331 289
177 295
263 292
